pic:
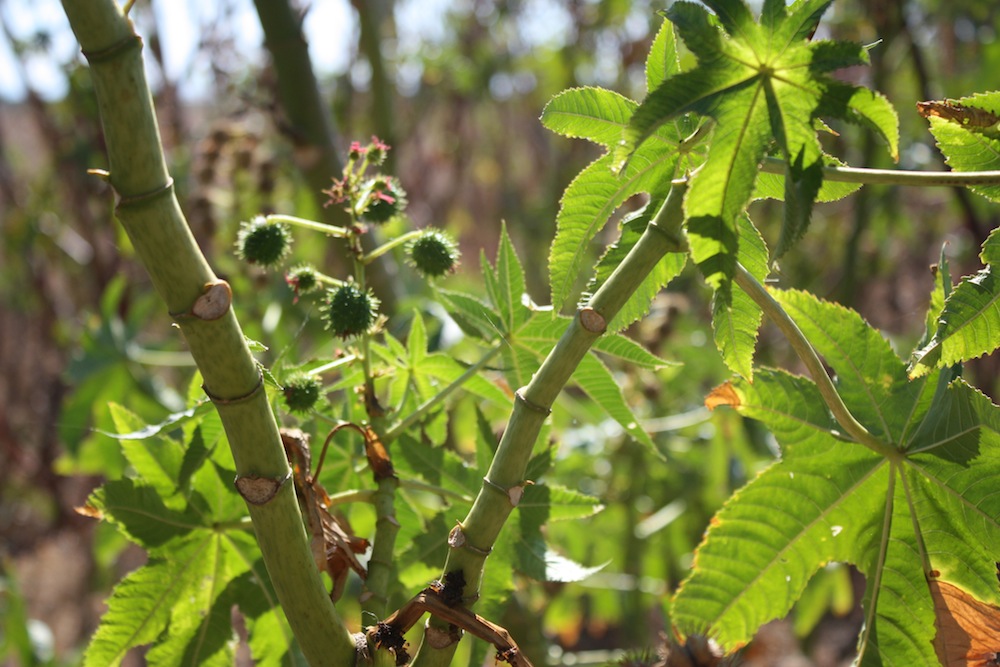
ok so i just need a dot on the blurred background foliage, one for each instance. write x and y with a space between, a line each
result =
459 103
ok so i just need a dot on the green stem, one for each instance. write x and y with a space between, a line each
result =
399 427
329 230
151 215
375 599
474 537
895 176
368 495
366 362
328 280
352 496
436 490
810 358
343 361
386 247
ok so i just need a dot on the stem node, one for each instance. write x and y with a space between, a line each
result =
214 301
260 490
593 321
219 401
531 405
457 540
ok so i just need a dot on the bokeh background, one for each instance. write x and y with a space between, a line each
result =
456 88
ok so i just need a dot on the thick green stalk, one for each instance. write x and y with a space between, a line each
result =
472 540
201 306
375 599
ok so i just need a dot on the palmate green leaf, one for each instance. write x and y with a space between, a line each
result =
737 319
446 369
594 378
758 81
965 143
474 317
141 430
594 114
138 610
540 504
505 284
970 318
200 628
940 292
869 376
171 601
990 252
156 460
630 352
666 269
436 465
929 508
138 511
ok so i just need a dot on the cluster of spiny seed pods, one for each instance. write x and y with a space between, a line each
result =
349 308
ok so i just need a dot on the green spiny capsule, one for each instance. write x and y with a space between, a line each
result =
349 311
433 253
302 279
383 198
262 242
301 392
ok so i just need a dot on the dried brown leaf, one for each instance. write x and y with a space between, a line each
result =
725 395
968 630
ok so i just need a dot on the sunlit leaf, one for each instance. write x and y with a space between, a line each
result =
736 318
505 284
969 319
662 61
969 145
589 113
139 511
759 82
540 504
923 511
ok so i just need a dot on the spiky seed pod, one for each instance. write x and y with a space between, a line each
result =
434 253
383 198
349 311
302 279
262 242
301 392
